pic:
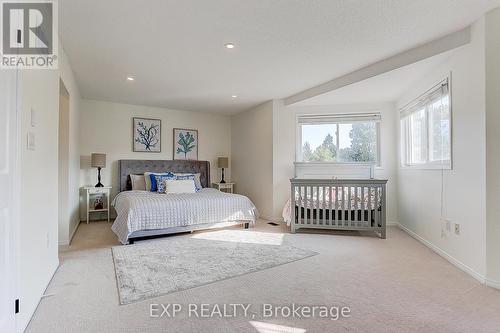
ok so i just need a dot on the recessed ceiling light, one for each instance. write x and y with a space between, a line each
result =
234 96
130 78
229 45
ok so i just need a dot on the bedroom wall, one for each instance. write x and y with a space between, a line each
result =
252 156
37 252
463 187
107 128
69 225
284 155
492 147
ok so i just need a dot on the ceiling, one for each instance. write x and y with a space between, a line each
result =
175 49
387 87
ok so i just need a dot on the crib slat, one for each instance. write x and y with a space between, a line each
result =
337 204
366 206
324 206
330 200
349 219
375 205
369 205
300 205
316 203
307 210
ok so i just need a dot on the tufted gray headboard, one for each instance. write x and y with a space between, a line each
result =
128 167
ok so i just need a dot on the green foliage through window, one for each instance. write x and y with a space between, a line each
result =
356 142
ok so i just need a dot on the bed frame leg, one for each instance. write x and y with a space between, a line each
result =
383 234
247 225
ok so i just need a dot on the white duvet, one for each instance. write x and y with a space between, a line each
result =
143 210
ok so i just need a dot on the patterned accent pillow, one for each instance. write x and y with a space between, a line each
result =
154 184
160 181
189 177
197 179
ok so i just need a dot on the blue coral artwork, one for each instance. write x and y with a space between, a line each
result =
185 144
147 135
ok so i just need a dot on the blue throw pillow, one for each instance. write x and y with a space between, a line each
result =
154 183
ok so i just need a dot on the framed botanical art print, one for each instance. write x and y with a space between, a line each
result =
147 135
185 144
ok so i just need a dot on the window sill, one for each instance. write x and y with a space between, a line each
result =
335 163
430 166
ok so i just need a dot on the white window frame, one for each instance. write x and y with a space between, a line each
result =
423 102
315 119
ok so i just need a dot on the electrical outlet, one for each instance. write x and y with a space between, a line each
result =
457 229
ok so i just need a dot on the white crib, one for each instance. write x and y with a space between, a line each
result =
345 204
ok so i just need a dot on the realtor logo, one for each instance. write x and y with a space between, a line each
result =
29 34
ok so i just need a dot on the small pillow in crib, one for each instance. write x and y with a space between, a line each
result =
173 186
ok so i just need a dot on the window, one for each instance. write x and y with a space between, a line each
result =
426 130
338 138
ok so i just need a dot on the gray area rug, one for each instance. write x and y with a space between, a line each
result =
159 267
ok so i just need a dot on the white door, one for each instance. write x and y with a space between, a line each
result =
8 202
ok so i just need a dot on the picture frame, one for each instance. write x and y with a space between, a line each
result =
185 144
146 135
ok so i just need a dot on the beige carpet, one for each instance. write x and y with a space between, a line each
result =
396 285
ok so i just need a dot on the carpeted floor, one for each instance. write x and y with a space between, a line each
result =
396 285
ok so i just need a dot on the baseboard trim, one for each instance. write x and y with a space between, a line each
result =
68 241
492 283
74 232
392 224
272 219
455 262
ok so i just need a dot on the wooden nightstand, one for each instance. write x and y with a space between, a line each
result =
93 193
224 187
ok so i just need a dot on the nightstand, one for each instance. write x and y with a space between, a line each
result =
224 187
96 194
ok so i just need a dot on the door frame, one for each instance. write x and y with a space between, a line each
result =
14 157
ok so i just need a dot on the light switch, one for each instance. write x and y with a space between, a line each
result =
31 140
33 117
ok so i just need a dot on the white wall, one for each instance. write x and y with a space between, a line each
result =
67 76
463 187
107 128
493 146
252 156
285 143
37 256
63 189
283 156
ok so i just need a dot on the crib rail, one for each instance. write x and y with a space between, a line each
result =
348 204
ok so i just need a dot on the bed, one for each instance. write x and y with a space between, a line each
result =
145 214
319 202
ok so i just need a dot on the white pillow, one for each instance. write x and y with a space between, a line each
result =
138 182
179 186
197 181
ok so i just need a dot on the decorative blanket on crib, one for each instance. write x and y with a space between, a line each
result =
355 199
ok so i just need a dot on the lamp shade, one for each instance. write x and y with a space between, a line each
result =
98 160
223 162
